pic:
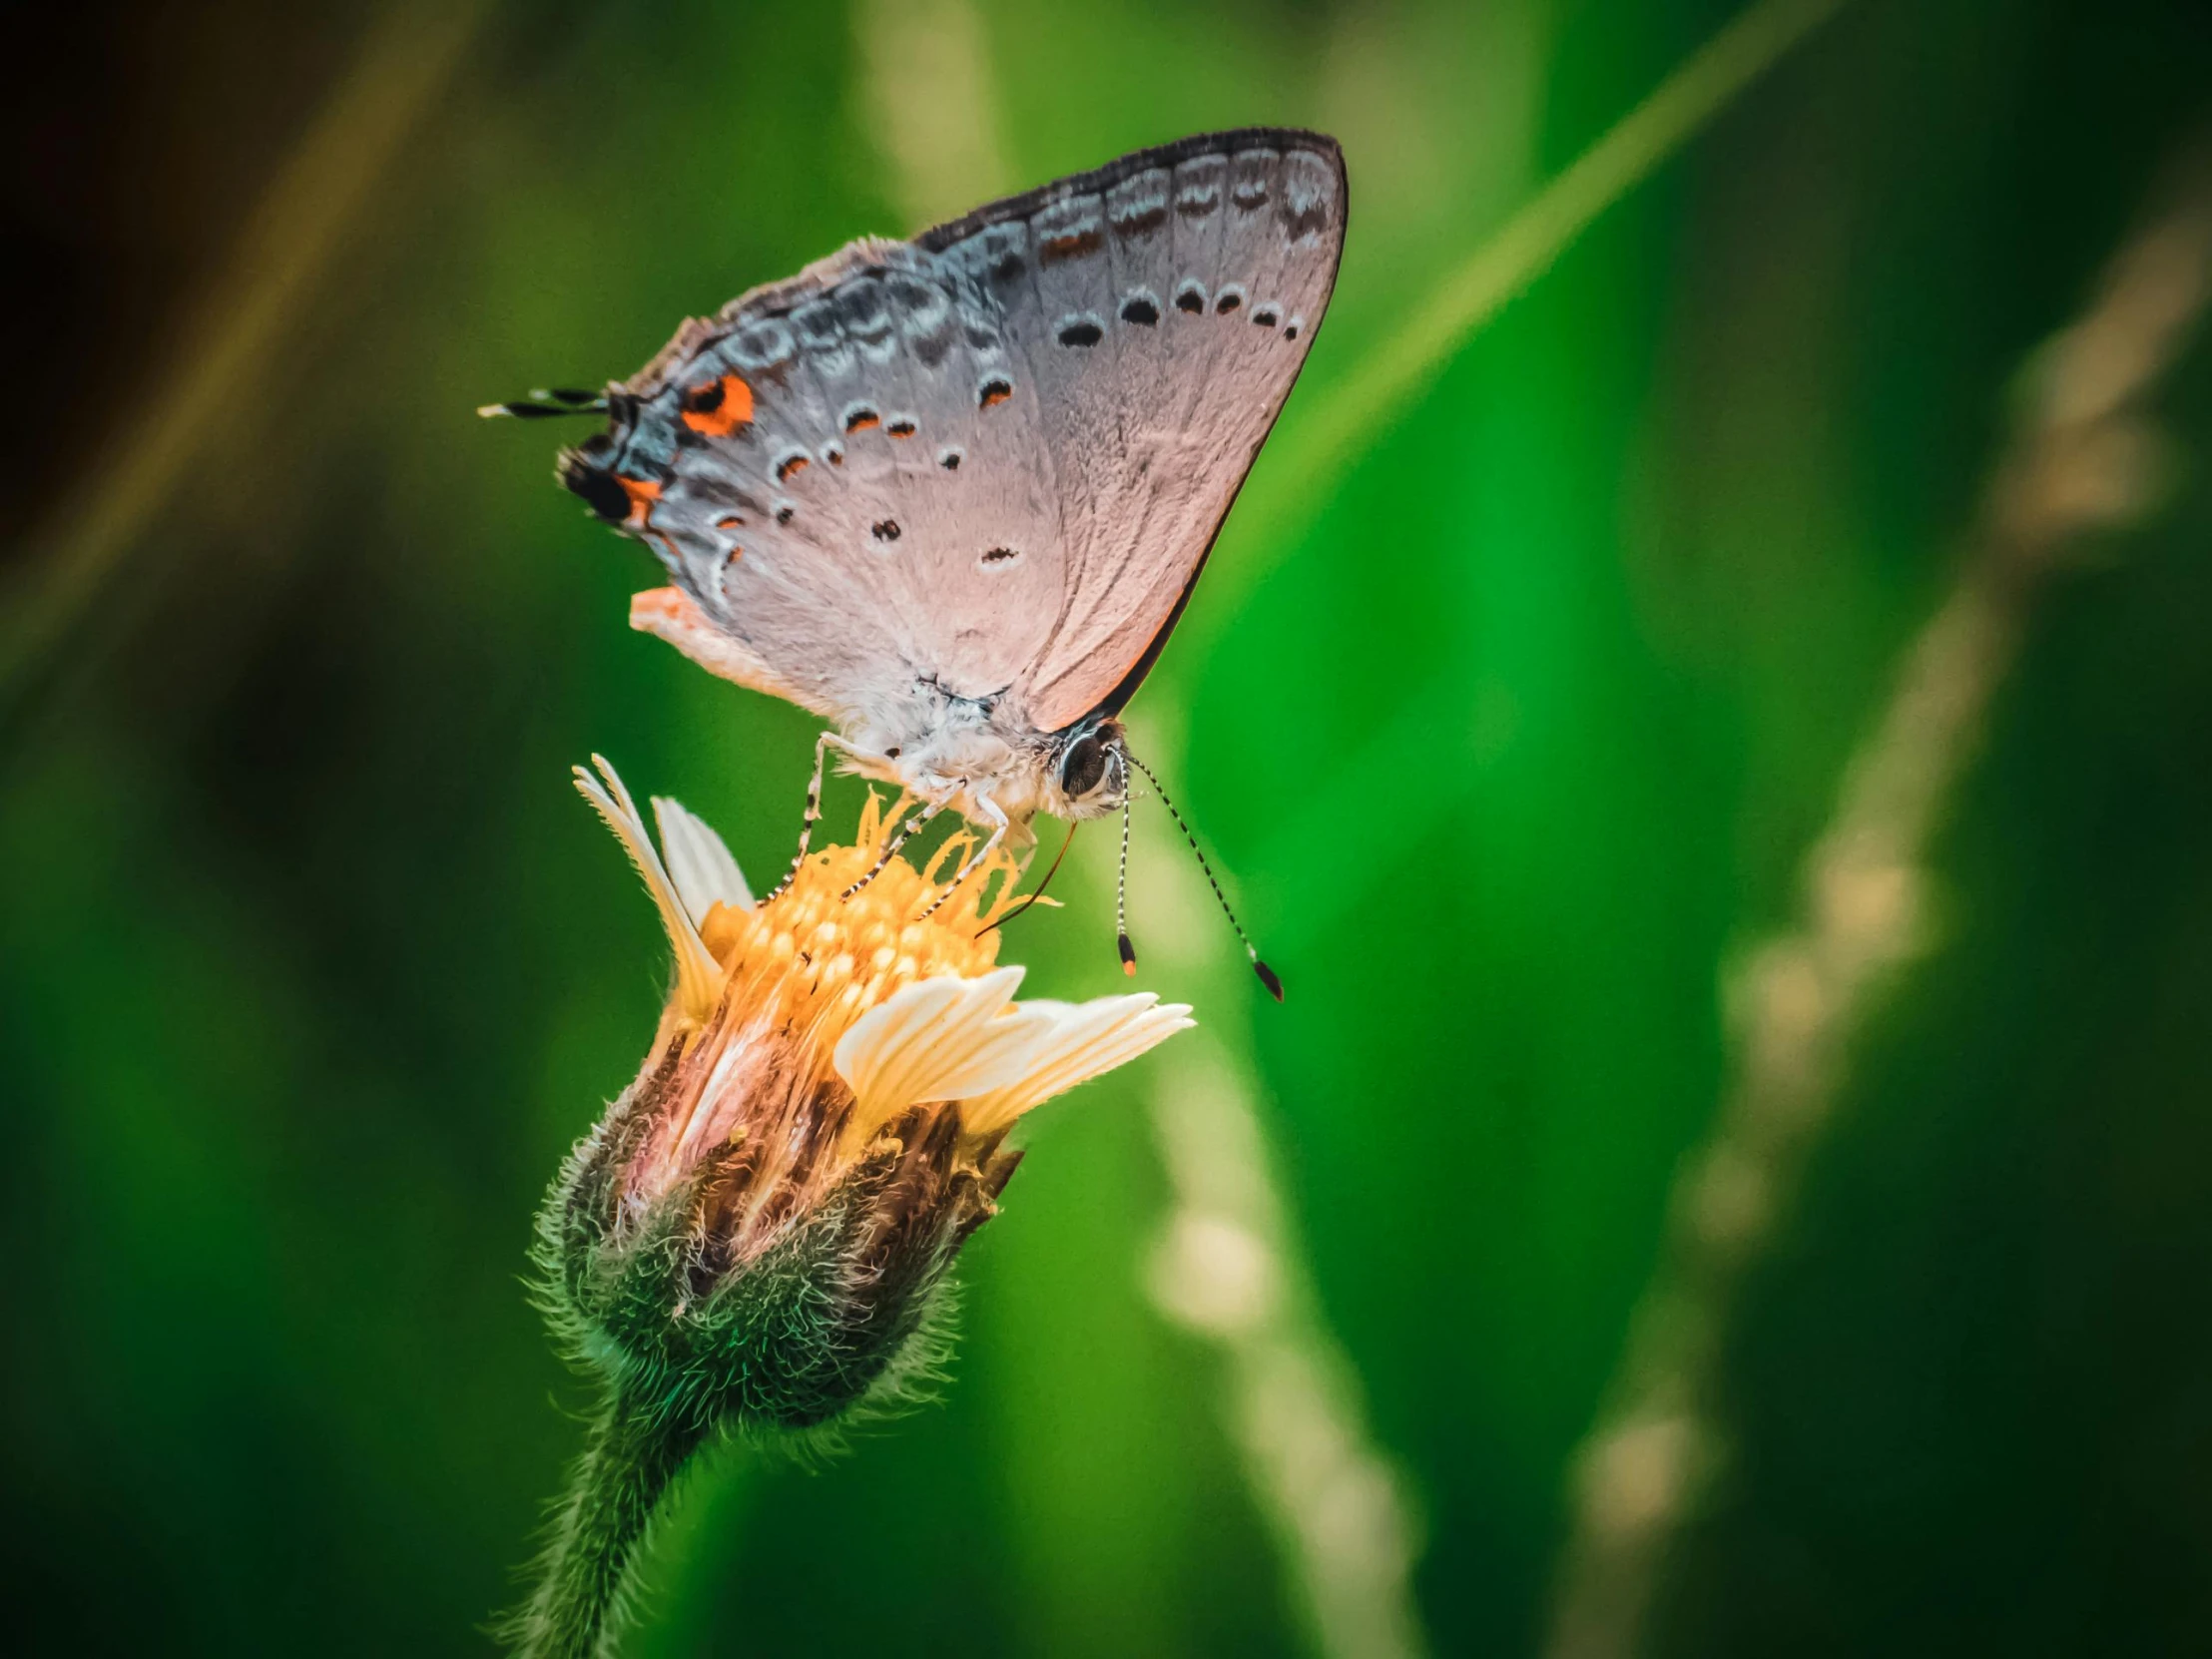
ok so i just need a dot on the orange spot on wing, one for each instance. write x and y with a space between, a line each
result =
717 408
643 492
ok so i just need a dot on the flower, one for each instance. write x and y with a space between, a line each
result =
757 1229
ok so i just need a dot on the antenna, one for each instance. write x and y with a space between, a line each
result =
545 402
1128 955
1121 894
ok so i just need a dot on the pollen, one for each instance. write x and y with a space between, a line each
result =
813 958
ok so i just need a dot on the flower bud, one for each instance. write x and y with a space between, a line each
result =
758 1231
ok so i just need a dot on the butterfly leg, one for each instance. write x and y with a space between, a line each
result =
892 846
822 745
998 833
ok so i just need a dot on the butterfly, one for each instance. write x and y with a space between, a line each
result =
952 494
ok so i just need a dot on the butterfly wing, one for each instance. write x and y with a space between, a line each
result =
989 461
1163 305
823 467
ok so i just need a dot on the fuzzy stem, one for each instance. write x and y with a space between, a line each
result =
578 1604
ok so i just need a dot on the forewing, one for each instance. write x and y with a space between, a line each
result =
1161 307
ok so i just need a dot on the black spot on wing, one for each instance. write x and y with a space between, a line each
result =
597 486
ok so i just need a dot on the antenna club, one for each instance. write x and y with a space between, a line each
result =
1128 956
1269 978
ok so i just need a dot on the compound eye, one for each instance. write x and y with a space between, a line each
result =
1083 768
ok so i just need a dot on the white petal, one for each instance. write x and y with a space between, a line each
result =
698 974
1076 1041
941 1039
700 865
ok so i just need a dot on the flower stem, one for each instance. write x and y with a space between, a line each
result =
577 1607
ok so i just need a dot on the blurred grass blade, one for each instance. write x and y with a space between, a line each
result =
407 58
2084 457
923 72
1308 454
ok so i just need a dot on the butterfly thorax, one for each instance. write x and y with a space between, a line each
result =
989 763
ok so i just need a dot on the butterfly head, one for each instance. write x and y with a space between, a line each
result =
1087 771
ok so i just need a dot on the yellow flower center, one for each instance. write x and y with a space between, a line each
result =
815 959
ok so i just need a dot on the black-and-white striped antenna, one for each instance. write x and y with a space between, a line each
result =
1121 896
1128 954
544 403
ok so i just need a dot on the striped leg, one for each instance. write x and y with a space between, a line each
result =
985 852
823 746
892 846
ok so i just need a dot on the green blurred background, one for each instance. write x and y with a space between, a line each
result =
312 965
